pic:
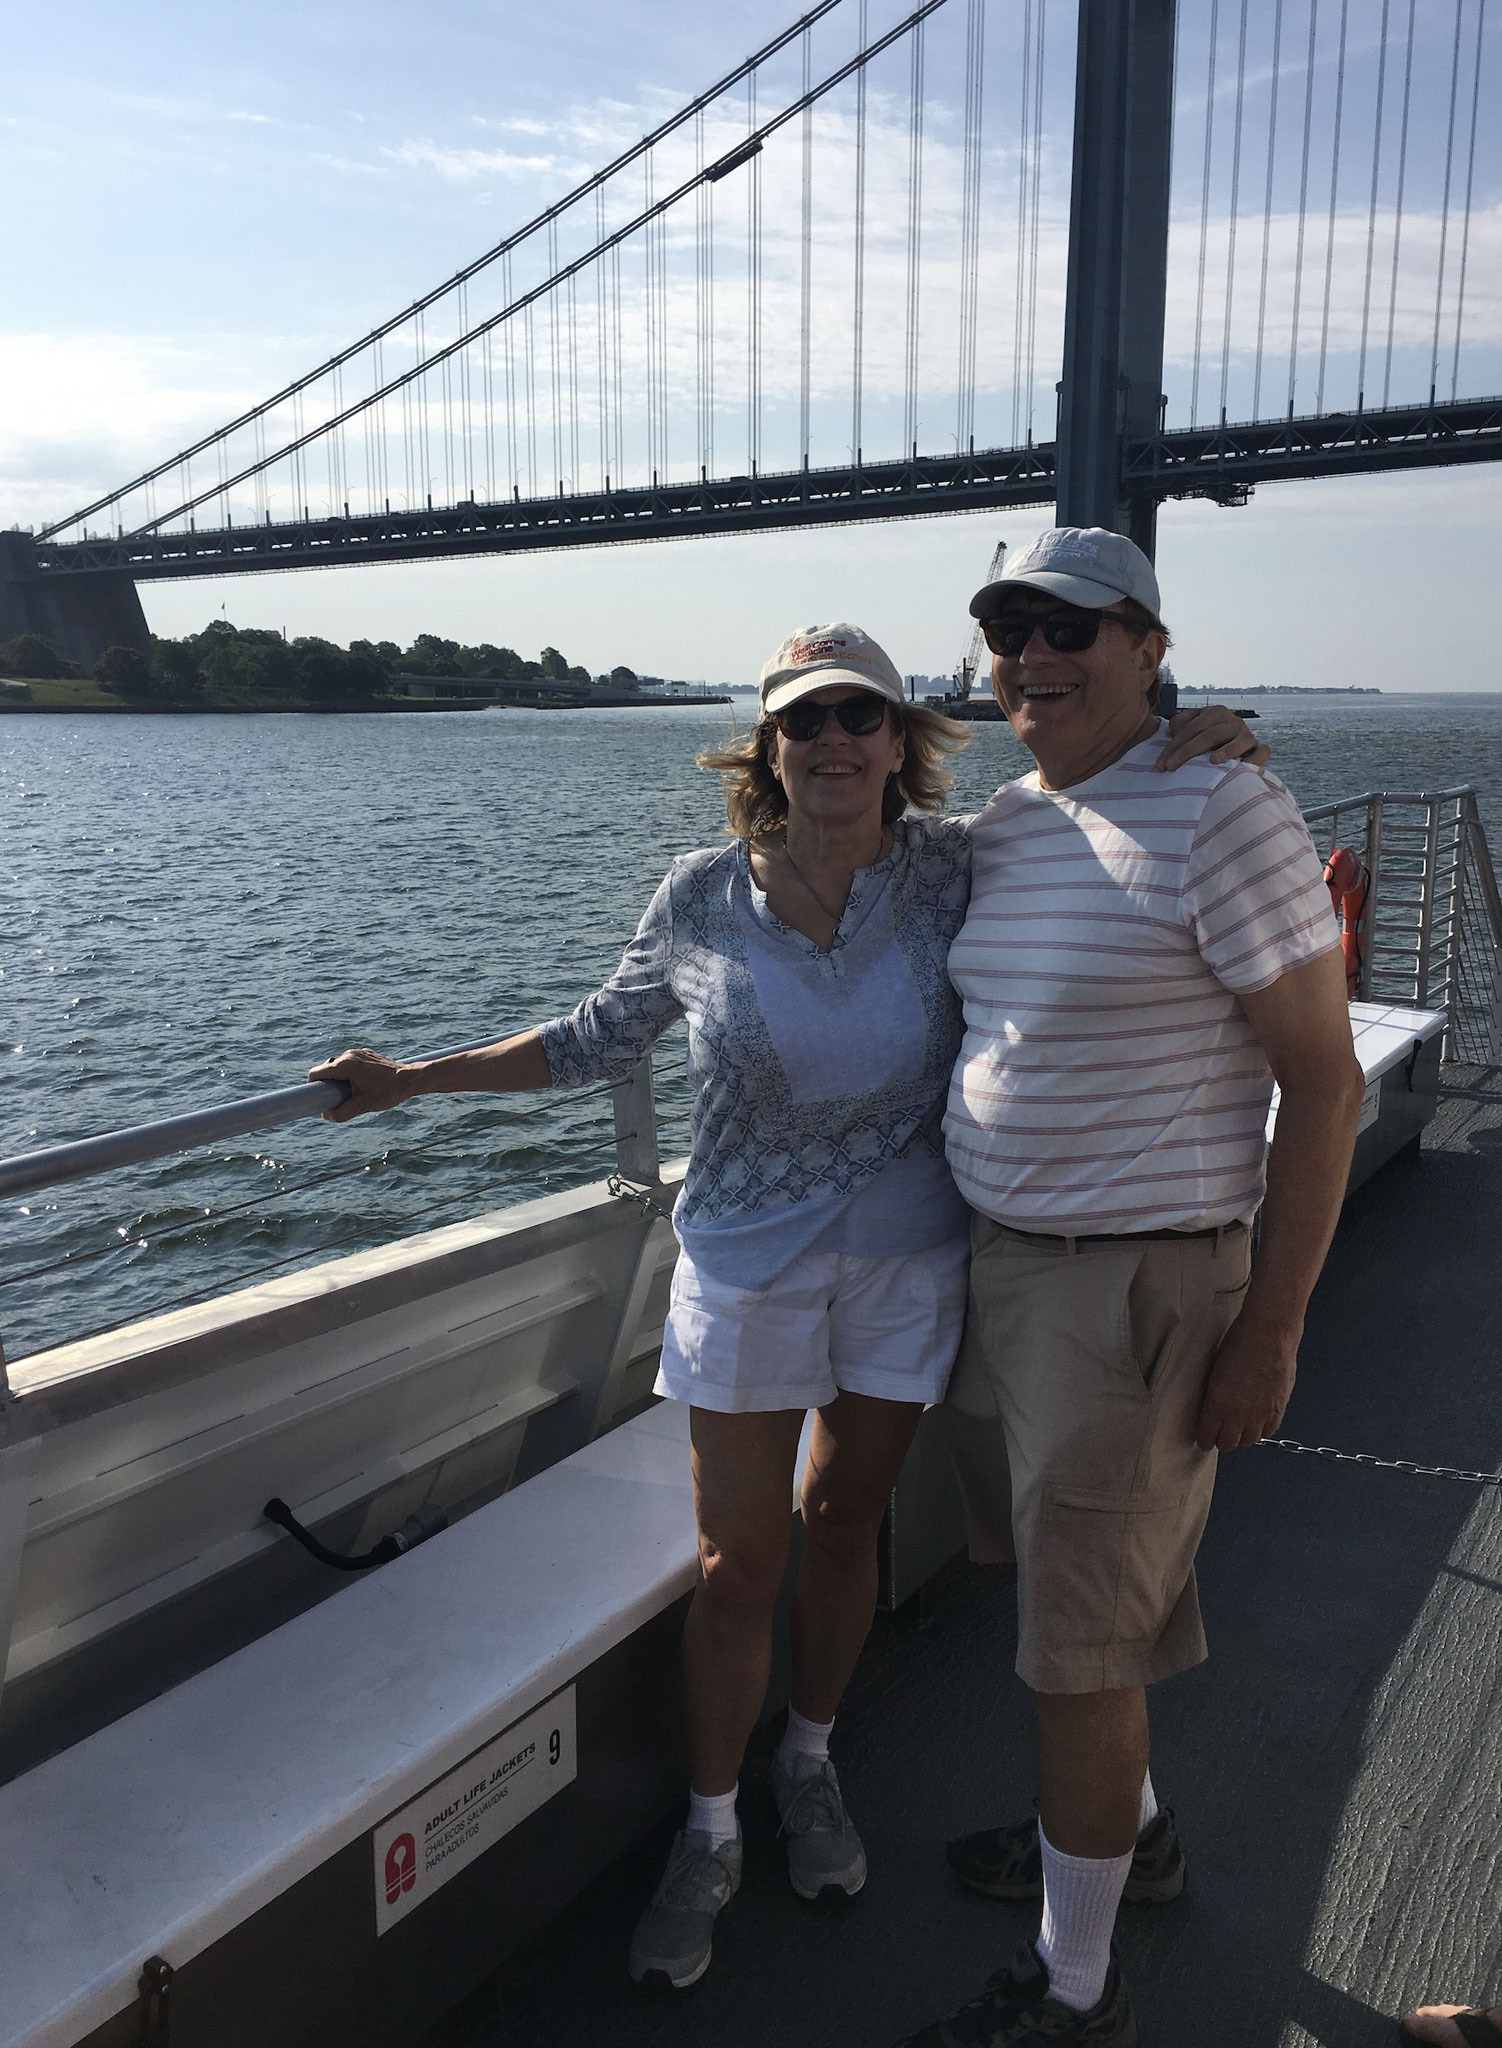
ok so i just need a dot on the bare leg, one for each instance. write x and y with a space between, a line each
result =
1092 1758
858 1447
743 1495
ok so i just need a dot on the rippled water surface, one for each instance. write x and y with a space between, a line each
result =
199 907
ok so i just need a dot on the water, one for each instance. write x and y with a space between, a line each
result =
199 907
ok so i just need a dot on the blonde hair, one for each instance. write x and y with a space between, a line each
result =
756 802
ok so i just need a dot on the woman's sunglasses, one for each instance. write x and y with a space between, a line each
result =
1065 631
860 715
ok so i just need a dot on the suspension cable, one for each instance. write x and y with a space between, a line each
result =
1267 206
858 321
654 214
1032 290
805 270
513 241
1225 342
1470 177
1199 297
1298 260
975 48
1371 220
1397 230
1444 221
1340 86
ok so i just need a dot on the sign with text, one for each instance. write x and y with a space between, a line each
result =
446 1827
1371 1106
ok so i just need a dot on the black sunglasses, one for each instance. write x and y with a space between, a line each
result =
1065 631
860 715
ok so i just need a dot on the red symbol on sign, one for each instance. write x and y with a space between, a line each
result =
401 1868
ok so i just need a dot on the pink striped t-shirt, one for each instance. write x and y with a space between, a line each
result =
1109 1080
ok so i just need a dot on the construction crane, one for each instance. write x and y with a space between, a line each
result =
969 663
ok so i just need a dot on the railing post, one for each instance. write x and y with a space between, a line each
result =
1373 858
1454 938
1426 906
636 1150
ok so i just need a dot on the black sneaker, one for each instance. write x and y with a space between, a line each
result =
1007 1863
1015 2011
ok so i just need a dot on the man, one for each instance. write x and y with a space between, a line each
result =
1142 957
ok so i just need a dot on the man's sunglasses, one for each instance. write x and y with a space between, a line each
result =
860 715
1065 631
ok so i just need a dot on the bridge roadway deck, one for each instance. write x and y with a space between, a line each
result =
1336 1766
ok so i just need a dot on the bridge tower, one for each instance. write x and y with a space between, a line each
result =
80 615
1110 393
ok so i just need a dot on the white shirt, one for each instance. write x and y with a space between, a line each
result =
1109 1081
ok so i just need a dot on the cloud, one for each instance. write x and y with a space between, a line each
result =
468 166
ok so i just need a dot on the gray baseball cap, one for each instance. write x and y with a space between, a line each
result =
816 656
1087 566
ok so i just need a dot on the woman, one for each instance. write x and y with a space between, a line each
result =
824 1246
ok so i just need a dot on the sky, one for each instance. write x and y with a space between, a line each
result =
203 203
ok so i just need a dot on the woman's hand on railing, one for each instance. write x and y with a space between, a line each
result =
1211 729
374 1082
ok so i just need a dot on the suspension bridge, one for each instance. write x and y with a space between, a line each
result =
864 276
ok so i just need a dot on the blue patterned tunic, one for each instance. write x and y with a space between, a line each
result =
820 1077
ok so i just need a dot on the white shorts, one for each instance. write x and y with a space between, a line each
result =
831 1323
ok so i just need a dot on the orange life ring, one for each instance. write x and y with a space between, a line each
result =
1350 888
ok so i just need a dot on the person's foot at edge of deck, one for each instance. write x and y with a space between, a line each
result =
1015 2010
1442 2025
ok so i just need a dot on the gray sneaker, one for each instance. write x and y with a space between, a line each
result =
672 1938
824 1851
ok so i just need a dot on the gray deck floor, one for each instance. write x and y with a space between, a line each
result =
1336 1766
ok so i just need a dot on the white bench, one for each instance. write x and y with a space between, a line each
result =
163 1832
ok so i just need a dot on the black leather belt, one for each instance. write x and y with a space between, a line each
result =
1051 1238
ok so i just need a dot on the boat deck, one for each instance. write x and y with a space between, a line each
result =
1336 1767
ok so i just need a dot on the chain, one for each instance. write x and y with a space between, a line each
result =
630 1191
1288 1443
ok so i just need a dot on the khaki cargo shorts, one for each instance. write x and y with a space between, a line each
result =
1070 1418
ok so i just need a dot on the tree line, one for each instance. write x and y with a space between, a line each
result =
228 667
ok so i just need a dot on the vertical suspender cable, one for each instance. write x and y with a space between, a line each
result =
914 247
1340 93
753 293
573 383
1032 287
1444 219
1470 180
489 375
1199 296
709 328
664 416
508 343
425 483
1267 206
529 371
1298 257
1023 160
805 271
618 451
1225 339
975 47
465 408
858 311
602 413
555 482
1397 227
1371 218
649 248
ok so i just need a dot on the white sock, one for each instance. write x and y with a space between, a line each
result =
1080 1897
1147 1812
714 1817
804 1738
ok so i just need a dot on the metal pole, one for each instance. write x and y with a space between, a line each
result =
1111 389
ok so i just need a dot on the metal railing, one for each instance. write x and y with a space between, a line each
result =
1434 937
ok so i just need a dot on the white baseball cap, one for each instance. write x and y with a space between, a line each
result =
816 656
1087 566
